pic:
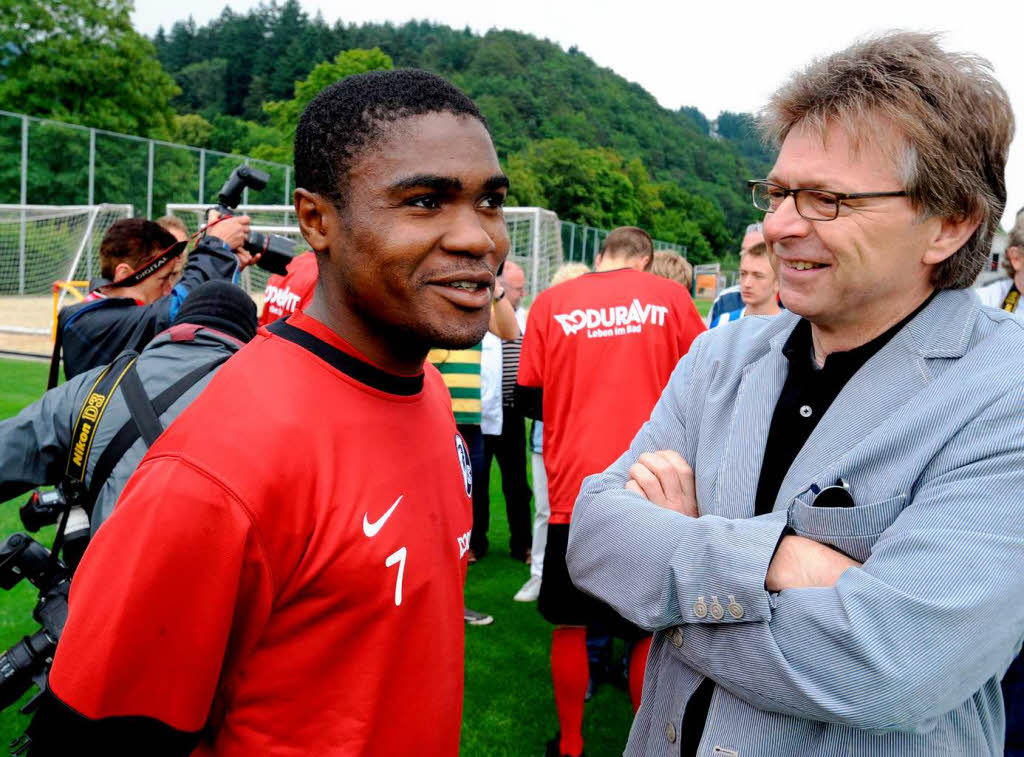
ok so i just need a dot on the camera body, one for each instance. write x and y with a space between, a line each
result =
276 251
44 508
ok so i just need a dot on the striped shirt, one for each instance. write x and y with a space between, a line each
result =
460 370
509 368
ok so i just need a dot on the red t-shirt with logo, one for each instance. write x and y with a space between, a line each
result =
285 569
287 294
602 347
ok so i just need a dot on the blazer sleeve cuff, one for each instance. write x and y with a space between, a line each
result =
730 588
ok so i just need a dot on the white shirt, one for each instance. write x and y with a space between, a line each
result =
490 379
993 294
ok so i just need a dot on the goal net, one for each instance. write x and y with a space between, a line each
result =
535 235
40 245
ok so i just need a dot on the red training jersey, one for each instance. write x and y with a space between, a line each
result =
287 294
602 348
285 569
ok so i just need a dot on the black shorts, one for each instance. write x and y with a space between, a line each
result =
562 604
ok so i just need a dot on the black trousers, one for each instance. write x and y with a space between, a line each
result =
510 450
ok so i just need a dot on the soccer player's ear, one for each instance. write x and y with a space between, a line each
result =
315 215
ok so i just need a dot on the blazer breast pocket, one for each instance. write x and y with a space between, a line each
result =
853 530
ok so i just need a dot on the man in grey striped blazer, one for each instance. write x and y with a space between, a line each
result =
822 519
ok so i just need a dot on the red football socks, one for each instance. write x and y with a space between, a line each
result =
637 666
569 674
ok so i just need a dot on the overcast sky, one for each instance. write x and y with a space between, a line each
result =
714 55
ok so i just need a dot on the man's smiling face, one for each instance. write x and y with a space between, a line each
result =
416 246
866 262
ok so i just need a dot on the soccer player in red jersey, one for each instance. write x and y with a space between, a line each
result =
283 574
597 352
291 292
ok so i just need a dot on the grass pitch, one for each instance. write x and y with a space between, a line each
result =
509 708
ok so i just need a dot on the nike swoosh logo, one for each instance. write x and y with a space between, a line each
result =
371 529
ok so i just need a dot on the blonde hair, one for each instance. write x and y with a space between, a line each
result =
569 271
953 118
173 223
670 264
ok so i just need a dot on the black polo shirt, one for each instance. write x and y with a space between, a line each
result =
806 395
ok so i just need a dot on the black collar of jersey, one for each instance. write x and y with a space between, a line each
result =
799 349
363 372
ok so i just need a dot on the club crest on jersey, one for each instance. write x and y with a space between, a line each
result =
465 464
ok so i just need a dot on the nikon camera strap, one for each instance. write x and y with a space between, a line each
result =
89 417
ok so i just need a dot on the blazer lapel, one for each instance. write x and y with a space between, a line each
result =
885 383
756 396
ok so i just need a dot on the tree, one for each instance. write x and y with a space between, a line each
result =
284 114
81 61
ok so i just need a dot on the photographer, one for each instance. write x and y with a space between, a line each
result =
139 297
213 323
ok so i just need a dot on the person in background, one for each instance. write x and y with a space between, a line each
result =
180 233
1005 293
213 323
541 508
597 352
670 264
729 299
291 292
138 296
759 286
504 429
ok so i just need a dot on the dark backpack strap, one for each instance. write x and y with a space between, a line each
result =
58 342
139 406
127 435
64 319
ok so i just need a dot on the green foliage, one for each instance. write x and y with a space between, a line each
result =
81 61
192 129
284 114
574 137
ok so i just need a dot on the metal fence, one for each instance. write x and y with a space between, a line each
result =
582 243
46 162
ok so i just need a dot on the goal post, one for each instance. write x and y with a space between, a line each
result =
40 245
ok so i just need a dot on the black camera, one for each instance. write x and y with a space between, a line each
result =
45 508
277 252
28 662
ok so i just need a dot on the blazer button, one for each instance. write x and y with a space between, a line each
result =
700 609
676 637
670 732
735 608
716 609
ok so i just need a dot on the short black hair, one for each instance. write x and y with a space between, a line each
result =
352 114
131 241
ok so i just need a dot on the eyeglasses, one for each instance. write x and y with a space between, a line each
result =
812 204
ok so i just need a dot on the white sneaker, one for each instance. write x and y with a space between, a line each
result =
530 590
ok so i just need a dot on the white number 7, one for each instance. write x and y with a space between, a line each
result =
397 557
